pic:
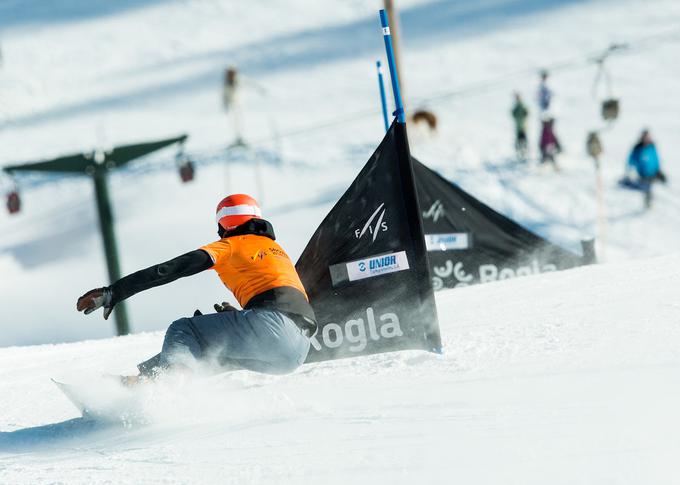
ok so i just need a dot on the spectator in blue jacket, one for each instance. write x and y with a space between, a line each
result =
644 159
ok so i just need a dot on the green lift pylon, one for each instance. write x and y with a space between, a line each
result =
97 165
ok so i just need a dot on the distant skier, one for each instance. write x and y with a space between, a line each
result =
271 333
232 89
549 144
231 103
545 94
644 159
520 113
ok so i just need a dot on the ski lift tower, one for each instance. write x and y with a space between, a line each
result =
97 165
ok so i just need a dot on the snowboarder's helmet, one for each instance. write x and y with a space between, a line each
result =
235 210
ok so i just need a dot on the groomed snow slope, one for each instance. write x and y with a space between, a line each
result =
564 378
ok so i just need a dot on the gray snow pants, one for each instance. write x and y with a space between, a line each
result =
260 340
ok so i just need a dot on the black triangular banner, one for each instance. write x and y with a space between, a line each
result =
365 267
468 242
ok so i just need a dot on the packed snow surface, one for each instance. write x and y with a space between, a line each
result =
561 378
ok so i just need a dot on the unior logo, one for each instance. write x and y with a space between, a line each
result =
435 212
382 262
377 265
357 333
373 229
448 242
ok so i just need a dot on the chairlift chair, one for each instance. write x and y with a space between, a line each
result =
594 145
187 171
610 106
185 166
13 202
610 109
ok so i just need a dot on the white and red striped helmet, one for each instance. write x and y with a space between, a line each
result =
237 209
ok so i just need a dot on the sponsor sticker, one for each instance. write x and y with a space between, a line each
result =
447 242
377 265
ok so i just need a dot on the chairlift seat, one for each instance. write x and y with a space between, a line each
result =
13 202
186 171
610 109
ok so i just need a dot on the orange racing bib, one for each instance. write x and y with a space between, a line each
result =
251 264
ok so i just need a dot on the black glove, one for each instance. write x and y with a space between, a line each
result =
94 299
224 307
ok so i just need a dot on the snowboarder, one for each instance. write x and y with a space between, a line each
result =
644 159
270 335
519 114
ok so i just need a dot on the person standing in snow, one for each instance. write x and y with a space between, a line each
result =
232 89
644 159
270 335
545 94
230 101
549 144
519 114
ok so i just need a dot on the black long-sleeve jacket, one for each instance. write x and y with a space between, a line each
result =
285 299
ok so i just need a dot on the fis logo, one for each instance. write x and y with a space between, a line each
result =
371 228
435 212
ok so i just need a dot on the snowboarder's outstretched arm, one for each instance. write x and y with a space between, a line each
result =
185 265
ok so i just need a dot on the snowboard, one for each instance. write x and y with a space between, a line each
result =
105 399
628 183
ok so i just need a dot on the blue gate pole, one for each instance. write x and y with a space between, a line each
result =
383 100
399 113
